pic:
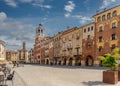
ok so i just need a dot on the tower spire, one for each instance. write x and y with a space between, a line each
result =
40 31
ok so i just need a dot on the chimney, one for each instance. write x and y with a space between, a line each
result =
68 27
105 9
97 11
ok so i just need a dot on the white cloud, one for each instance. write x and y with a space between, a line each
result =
25 1
11 3
14 32
67 15
3 16
82 19
42 6
70 6
107 3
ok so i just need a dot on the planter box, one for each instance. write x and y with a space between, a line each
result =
118 75
110 77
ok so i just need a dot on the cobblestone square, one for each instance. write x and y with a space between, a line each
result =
36 75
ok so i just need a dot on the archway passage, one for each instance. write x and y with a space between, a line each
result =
64 62
39 61
89 61
70 61
77 62
59 63
47 61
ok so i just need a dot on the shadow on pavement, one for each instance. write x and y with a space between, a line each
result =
95 83
71 67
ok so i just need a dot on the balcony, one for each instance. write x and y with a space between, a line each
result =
77 46
69 47
57 55
46 55
46 48
64 55
64 49
77 37
77 54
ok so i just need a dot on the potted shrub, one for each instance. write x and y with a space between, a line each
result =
110 60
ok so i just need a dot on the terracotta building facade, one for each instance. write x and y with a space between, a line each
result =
83 45
38 46
107 33
89 44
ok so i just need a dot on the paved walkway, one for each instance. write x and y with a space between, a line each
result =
17 81
36 75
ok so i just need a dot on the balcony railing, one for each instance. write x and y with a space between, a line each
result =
46 55
77 54
69 46
77 46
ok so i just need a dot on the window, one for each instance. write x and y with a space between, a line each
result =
100 29
113 36
91 28
108 15
99 19
89 45
103 17
113 46
100 39
100 48
88 29
77 50
84 30
113 25
70 37
63 40
114 14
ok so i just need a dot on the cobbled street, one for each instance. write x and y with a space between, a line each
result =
36 75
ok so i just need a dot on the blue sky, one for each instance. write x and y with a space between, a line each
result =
20 18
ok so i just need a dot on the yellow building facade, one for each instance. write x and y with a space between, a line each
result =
71 47
2 50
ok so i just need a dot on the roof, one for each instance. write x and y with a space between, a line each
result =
2 42
105 10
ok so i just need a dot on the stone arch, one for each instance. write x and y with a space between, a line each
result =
70 62
99 26
47 61
114 13
59 62
64 61
89 60
78 62
114 21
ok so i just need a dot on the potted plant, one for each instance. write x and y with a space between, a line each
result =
110 60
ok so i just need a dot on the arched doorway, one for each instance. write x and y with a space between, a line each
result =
55 62
70 61
64 62
39 61
89 61
100 63
47 61
78 62
59 62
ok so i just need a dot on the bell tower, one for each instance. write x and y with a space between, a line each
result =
40 31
